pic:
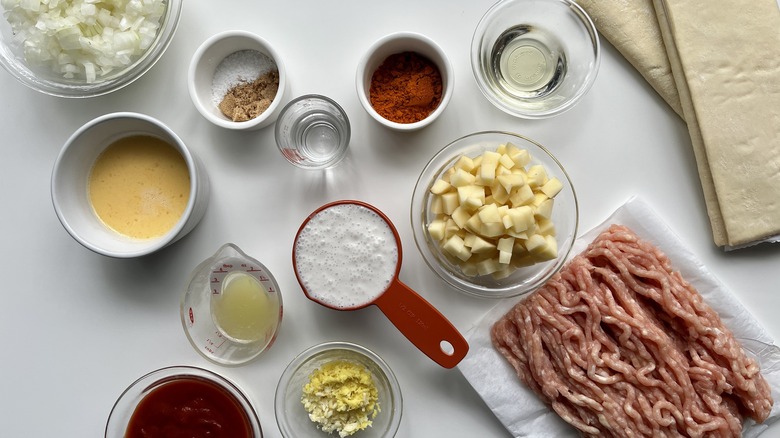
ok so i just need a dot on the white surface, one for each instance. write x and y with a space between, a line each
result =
77 328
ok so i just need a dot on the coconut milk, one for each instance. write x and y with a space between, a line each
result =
346 256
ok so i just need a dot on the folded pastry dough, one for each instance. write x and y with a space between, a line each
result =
631 26
717 64
725 58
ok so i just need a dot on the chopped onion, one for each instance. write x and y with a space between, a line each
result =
84 39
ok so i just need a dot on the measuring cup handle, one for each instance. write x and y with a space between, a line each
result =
422 324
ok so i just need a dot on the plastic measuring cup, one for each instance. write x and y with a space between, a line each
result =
347 256
232 307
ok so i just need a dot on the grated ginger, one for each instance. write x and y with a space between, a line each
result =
341 397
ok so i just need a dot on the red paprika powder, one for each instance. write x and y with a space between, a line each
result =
406 88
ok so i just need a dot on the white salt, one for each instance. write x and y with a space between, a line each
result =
237 68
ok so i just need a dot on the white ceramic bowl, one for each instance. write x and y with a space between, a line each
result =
291 416
71 175
204 64
397 43
42 79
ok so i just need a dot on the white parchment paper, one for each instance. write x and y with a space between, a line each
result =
519 409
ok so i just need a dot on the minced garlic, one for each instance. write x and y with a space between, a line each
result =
341 397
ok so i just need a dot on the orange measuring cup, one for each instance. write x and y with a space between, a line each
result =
347 256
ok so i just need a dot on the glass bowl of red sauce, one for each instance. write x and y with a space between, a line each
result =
183 401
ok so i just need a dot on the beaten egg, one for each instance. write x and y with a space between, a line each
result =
139 186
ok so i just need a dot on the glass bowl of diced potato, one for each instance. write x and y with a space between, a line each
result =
494 214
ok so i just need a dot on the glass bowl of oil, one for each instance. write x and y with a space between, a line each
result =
535 58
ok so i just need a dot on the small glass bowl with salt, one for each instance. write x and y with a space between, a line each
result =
237 81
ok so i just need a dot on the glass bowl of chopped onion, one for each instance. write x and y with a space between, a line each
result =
81 48
494 214
311 398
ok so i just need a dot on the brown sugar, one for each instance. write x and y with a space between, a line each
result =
248 100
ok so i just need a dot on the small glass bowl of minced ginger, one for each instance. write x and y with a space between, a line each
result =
310 400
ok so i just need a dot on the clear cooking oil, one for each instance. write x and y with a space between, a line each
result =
527 62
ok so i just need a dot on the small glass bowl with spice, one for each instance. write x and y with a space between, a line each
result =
404 81
237 81
338 389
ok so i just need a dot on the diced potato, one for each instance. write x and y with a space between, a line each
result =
512 180
506 161
436 229
451 229
502 273
506 219
469 239
519 249
522 218
521 157
464 163
550 250
499 193
488 266
536 243
450 202
537 175
544 209
469 269
521 235
501 149
440 186
473 203
455 247
489 214
492 229
523 261
481 245
487 169
545 226
522 195
504 257
552 187
471 191
462 178
460 216
447 174
539 197
506 244
474 224
437 207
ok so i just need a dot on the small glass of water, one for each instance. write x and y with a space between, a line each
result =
313 132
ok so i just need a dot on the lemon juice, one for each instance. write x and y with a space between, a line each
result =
243 310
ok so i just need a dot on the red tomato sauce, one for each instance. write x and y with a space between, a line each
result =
189 407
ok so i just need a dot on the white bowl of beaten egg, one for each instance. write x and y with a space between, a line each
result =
125 185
